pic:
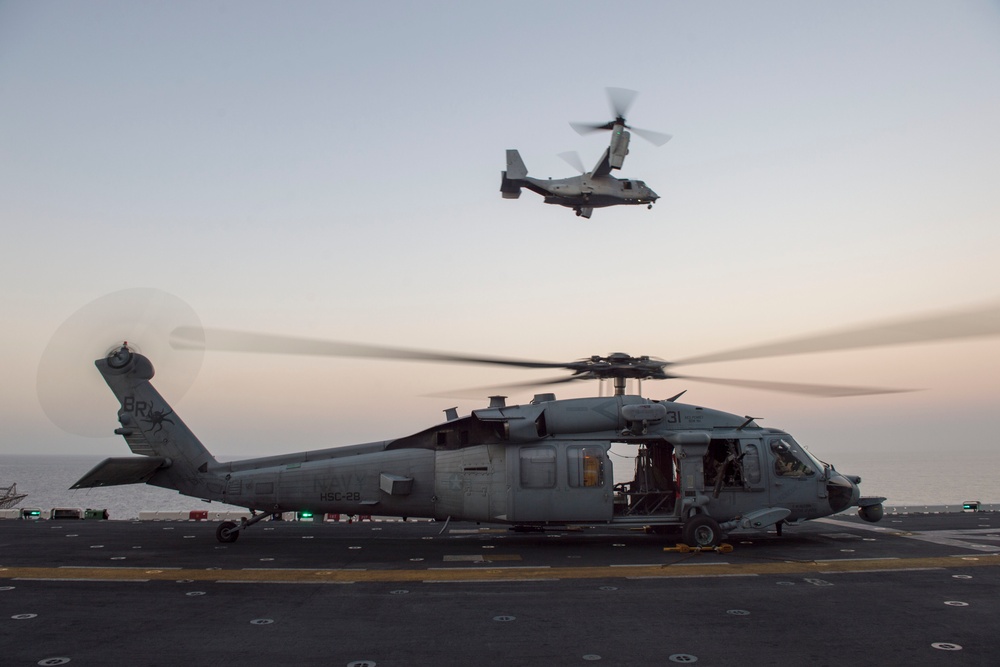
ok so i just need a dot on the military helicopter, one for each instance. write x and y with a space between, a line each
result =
541 465
596 188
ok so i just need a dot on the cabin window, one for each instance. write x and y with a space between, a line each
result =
628 185
586 466
538 468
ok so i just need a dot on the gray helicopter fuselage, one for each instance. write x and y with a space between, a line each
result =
546 462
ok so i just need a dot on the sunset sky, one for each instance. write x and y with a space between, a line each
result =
332 169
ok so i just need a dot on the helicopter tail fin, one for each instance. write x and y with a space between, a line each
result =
174 457
515 165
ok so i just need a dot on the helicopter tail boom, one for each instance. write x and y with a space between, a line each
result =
173 457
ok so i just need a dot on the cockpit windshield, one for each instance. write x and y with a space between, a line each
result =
790 460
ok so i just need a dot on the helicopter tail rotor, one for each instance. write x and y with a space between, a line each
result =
73 396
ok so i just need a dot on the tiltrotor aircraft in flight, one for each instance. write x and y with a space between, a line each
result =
596 188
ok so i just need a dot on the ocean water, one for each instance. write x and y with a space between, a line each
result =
46 480
926 478
914 479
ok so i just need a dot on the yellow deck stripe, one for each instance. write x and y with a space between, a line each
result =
473 573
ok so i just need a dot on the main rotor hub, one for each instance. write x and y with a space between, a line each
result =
619 365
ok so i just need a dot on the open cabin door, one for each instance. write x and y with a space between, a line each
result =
734 478
649 488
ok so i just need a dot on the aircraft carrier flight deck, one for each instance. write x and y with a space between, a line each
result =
914 589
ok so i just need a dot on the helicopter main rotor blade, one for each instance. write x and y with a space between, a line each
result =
590 128
816 390
478 391
655 138
573 159
227 340
620 100
975 322
821 390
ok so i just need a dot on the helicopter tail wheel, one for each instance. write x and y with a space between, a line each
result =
227 532
702 531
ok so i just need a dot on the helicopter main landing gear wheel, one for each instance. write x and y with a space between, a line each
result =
702 531
227 532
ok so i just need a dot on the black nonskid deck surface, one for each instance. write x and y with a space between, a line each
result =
912 589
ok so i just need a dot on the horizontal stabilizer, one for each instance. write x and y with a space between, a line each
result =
509 188
121 470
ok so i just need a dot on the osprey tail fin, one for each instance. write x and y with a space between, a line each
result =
515 165
511 180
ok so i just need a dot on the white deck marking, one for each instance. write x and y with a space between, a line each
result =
963 539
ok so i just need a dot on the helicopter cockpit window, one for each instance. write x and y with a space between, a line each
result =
586 466
790 460
538 468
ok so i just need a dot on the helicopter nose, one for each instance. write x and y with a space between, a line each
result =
842 493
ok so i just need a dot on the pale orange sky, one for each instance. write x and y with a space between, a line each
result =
320 171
